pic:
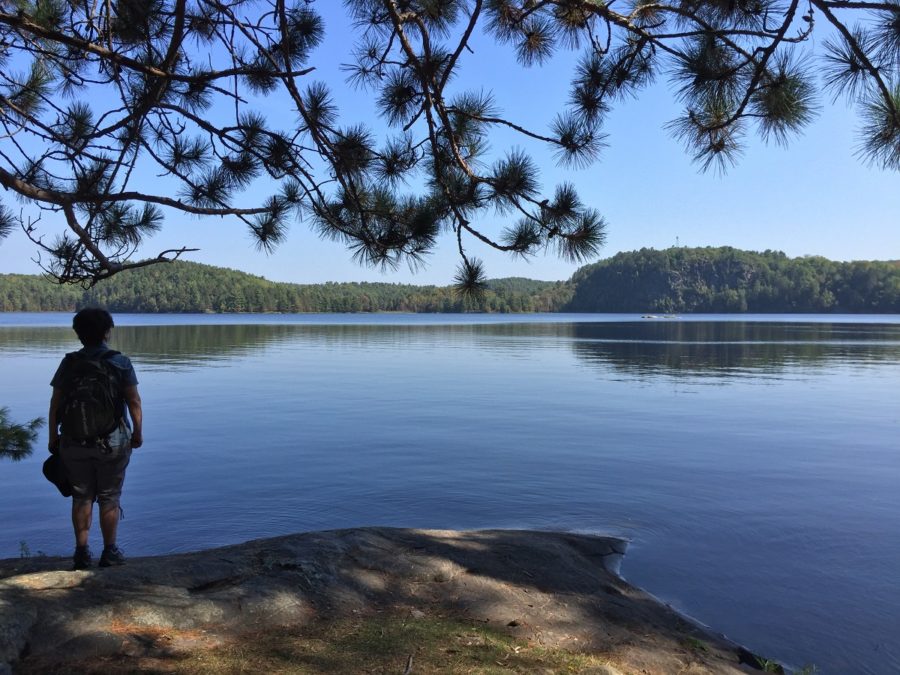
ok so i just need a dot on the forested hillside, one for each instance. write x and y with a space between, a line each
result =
730 280
670 280
192 287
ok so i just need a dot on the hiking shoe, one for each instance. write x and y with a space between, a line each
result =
82 558
112 556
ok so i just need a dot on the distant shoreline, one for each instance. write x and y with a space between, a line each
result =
636 314
661 282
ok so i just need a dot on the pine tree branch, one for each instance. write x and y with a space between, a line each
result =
860 53
432 93
505 123
463 43
87 241
68 199
145 99
759 69
21 22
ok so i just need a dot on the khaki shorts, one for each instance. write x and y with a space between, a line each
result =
96 473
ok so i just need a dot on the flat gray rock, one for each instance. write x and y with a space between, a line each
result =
557 589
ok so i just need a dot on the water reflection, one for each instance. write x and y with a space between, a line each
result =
723 349
175 345
696 349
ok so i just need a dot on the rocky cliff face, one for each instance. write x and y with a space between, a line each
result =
555 589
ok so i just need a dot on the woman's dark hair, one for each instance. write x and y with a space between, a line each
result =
91 325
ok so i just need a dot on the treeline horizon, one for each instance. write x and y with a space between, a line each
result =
673 280
188 287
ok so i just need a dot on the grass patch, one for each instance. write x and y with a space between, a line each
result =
384 645
378 644
695 644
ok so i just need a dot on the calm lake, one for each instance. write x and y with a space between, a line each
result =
752 461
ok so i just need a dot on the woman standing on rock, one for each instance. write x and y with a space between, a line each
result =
92 389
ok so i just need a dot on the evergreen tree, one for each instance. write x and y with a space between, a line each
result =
95 95
729 280
16 439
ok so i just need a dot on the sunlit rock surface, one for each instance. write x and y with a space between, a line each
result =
554 589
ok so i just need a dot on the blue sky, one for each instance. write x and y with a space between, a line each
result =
812 198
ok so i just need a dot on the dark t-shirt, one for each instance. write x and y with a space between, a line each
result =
120 361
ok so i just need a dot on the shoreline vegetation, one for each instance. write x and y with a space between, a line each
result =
669 281
358 600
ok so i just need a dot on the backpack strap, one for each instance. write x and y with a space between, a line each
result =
120 409
106 356
68 360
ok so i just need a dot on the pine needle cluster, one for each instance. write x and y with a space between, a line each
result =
96 97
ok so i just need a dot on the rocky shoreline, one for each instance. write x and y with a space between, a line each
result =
546 590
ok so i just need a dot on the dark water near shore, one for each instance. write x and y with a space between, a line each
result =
753 462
